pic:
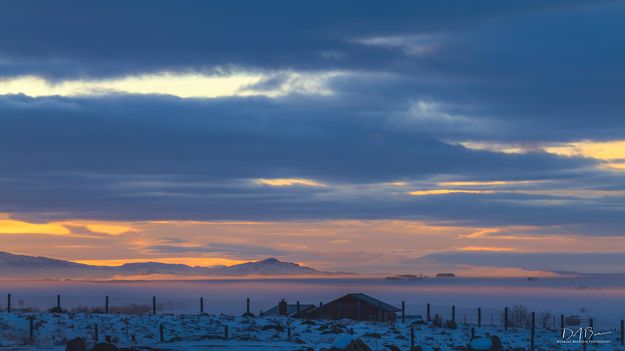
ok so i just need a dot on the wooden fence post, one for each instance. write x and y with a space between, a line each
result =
429 316
533 334
505 318
479 317
403 311
201 305
412 338
58 302
106 305
9 303
31 322
153 304
453 313
161 332
247 305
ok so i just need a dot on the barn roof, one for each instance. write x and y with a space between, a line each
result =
364 298
372 300
291 309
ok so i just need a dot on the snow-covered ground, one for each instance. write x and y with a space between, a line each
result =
206 332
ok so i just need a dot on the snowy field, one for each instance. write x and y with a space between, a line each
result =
599 298
207 332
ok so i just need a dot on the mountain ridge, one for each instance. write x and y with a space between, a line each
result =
15 266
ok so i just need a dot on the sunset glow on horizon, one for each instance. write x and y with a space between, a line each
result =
326 245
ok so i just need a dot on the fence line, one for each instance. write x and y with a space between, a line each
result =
157 315
510 317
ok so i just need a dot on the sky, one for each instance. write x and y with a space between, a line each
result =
356 135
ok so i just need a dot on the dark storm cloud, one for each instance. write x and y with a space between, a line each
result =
117 37
162 157
539 71
236 138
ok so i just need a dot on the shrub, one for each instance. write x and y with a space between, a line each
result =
437 321
520 316
545 319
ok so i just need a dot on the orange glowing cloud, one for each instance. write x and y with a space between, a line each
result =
575 193
487 249
11 226
614 165
486 183
102 227
14 226
448 191
612 153
606 151
326 245
284 182
108 228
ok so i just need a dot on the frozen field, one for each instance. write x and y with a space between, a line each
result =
207 332
601 298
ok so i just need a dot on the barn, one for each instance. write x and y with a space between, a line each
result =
284 309
359 307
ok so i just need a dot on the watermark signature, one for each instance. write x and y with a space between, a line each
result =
583 336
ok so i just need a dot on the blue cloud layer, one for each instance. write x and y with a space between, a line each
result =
523 72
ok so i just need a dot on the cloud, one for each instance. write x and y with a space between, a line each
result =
449 191
230 250
609 154
10 226
341 241
496 183
370 100
199 159
77 39
248 138
503 72
413 45
386 246
583 262
288 182
183 85
432 117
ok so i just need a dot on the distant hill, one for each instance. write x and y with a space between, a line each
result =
270 266
33 267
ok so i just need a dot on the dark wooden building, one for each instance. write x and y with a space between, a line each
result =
284 309
359 307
